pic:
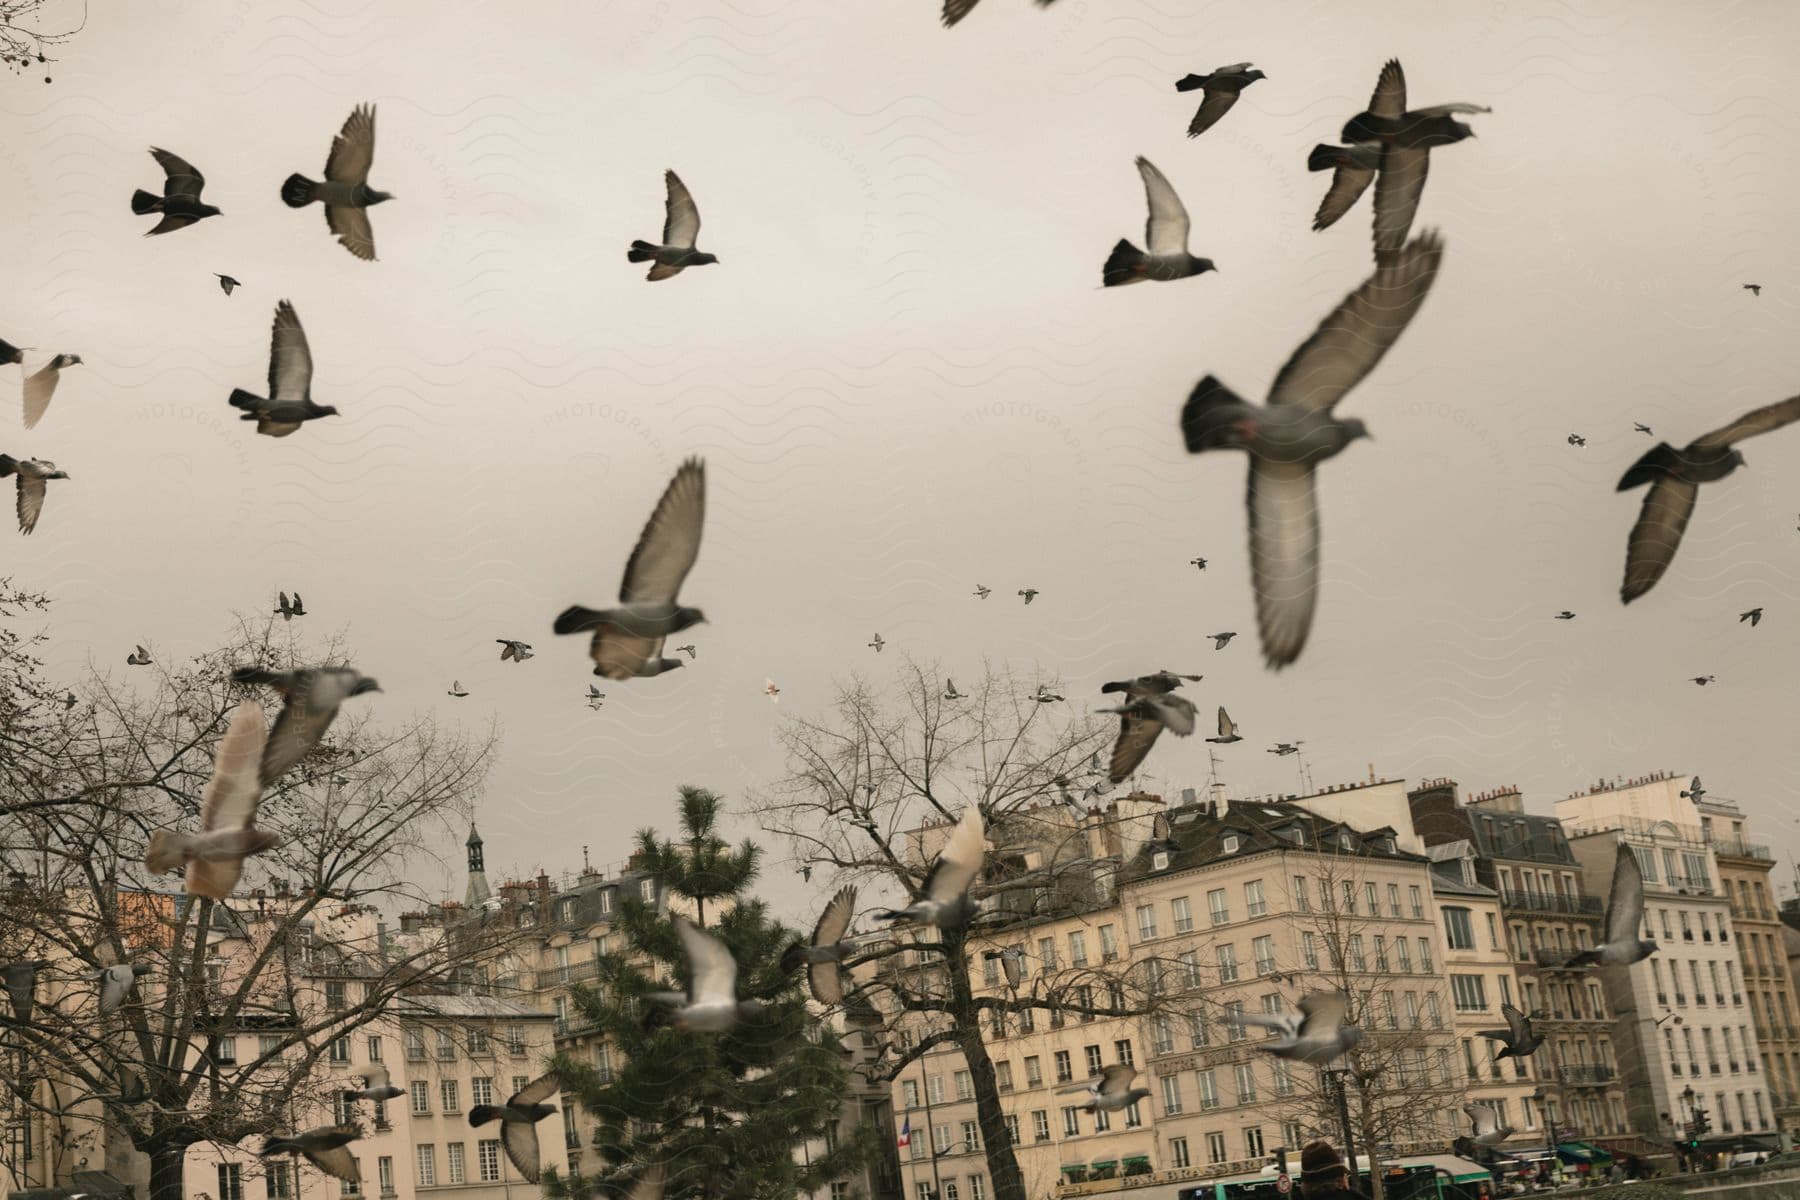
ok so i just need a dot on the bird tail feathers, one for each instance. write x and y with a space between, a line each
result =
1191 83
1209 417
298 190
8 464
1657 462
1123 265
278 1145
793 958
1322 158
246 400
483 1114
576 619
145 202
640 252
164 852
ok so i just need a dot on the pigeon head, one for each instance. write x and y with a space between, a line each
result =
209 210
1203 265
326 410
669 664
57 475
685 617
1646 949
1735 460
1354 428
365 685
1251 76
700 258
68 360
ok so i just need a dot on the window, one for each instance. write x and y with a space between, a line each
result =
1178 1153
1162 1036
447 1096
1470 995
971 1136
1215 1147
1246 1083
990 969
335 990
909 1092
1190 967
1284 1077
1254 903
1146 918
453 1163
384 1171
1078 949
1209 1089
1374 902
1003 1076
1040 1125
1459 934
231 1181
977 1187
515 1040
487 1160
1253 1142
1425 955
374 1049
1034 1074
1217 906
1234 1025
950 1190
1402 956
446 1046
1071 1122
278 1178
1109 944
1171 1095
1309 950
1349 888
1183 914
1263 948
1393 900
1418 901
1227 963
1064 1072
427 1155
1122 1050
421 1096
478 1043
343 1108
1493 927
1012 1128
1356 953
647 890
1229 844
225 1050
965 1085
934 1089
1301 903
1102 1120
1094 1061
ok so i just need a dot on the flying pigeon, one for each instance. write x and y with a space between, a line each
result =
131 1091
710 1004
681 225
687 650
943 900
1352 171
1754 616
228 834
180 202
1565 615
1165 236
377 1085
33 475
19 979
1227 730
628 640
1575 439
1221 640
1197 563
1755 289
1158 684
1321 1034
950 692
10 353
456 689
1283 749
1640 427
1488 1129
1296 430
1279 1025
771 691
138 658
1675 477
981 591
595 698
1141 720
518 1119
69 701
345 193
1703 680
1012 962
516 650
1624 919
1110 1091
878 643
226 283
956 10
1406 138
1029 594
289 609
1518 1039
1222 88
324 1148
824 955
312 696
290 401
40 385
1046 696
1694 791
116 983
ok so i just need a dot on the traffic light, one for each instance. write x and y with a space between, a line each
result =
1702 1122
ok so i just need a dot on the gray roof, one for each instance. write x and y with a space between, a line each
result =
464 1007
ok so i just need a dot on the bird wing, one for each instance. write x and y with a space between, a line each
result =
1461 108
1287 1023
1625 903
1389 98
834 922
1398 186
1177 713
229 801
115 982
1015 970
1137 733
1284 555
1086 1085
713 969
1166 232
1323 1011
670 543
956 10
354 233
1762 420
1483 1117
1348 343
183 179
40 385
1656 536
618 655
826 980
375 1075
1116 1079
20 979
960 861
290 358
338 1162
311 705
681 219
1348 183
31 500
353 149
537 1091
1226 726
1517 1022
1216 105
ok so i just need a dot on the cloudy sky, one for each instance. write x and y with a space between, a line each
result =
905 379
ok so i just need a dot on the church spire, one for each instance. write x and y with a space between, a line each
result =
478 892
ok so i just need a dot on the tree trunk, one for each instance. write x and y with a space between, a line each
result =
1376 1189
167 1167
1002 1163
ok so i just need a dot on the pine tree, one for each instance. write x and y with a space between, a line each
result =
724 1114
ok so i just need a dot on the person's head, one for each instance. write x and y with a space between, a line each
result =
1321 1169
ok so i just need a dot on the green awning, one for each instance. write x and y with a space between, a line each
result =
1104 1163
1071 1168
1581 1152
1137 1158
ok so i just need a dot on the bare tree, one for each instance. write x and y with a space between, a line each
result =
24 40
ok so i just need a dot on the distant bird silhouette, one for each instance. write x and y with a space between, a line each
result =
1406 138
456 689
1702 680
289 403
687 650
956 10
1755 289
33 475
1640 427
595 698
1198 564
1046 696
1029 594
1222 88
1283 749
289 609
1754 616
1675 477
681 226
771 691
1227 730
180 202
1518 1039
226 283
1221 640
139 657
516 650
877 644
950 692
1352 171
345 192
1165 257
1565 615
40 385
981 591
1575 439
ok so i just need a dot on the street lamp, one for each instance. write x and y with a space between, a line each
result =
1340 1076
1543 1099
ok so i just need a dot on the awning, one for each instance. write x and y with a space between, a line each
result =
1581 1152
1131 1159
1104 1164
1072 1168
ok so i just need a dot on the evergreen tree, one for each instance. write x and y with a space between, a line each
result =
724 1114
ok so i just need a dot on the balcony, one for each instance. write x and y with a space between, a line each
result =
1585 1076
1519 900
568 974
1733 847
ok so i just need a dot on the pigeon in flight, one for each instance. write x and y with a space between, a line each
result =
687 650
180 202
228 834
1675 477
710 1004
377 1086
1165 236
1198 564
312 696
628 641
1221 89
138 658
456 689
1703 680
1321 1034
1694 791
1755 289
1754 616
226 283
1642 428
1029 594
289 609
771 691
950 692
116 983
1141 720
1279 1025
516 650
1518 1038
1227 730
1221 640
345 193
1575 439
595 698
681 226
1624 919
33 474
10 353
19 979
956 10
981 591
943 900
1110 1091
324 1147
1046 696
290 401
1352 171
518 1119
824 954
1283 749
1161 683
878 643
1012 962
1297 429
1406 138
1488 1129
1565 615
40 385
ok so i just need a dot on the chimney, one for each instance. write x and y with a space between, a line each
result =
1187 797
1220 805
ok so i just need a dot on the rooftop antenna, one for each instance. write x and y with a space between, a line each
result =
587 868
1306 779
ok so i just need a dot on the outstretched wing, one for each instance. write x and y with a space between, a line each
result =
1657 535
713 970
1323 1011
960 862
337 1162
521 1142
40 385
1762 420
290 358
670 543
1348 183
1216 105
1389 98
1284 555
1625 903
229 801
834 922
1116 1079
353 149
1166 231
1398 186
183 179
537 1091
681 220
354 232
1137 733
31 500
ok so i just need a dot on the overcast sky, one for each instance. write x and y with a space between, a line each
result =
905 378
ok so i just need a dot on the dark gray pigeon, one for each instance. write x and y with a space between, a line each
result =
1221 640
324 1147
518 1119
10 353
1227 729
40 385
877 644
139 657
226 283
311 698
950 692
981 592
1624 919
1160 683
1030 594
628 640
596 699
1165 256
1565 615
116 983
1694 791
1640 427
33 474
710 1004
1703 680
377 1086
345 193
943 900
681 226
1222 88
456 689
1197 563
1352 171
290 402
956 10
1518 1038
1754 616
19 979
1141 720
517 651
1297 429
1406 137
180 202
1755 289
1011 960
289 609
1283 749
1575 439
687 650
1675 477
824 953
1110 1091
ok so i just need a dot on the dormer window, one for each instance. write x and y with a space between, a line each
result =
1297 835
1228 844
1343 840
1159 861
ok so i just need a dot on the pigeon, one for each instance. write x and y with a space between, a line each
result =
345 193
943 900
981 591
10 353
1518 1039
1028 593
1565 615
1287 438
456 689
1755 289
1406 138
1624 919
710 1004
116 983
138 658
1488 1129
1575 439
824 955
956 10
1012 962
1221 88
228 834
1227 730
1197 563
1280 1025
518 1119
1141 720
324 1148
19 979
69 701
33 474
1640 427
377 1086
40 385
681 225
1110 1091
1703 680
687 650
628 640
226 283
312 696
595 698
290 401
131 1091
771 691
515 650
289 609
1221 640
1694 791
1046 696
1352 171
1166 255
1321 1034
1675 477
950 692
1754 616
180 202
1283 749
1148 685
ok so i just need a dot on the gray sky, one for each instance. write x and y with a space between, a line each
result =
905 378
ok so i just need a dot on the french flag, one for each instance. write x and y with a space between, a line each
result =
905 1139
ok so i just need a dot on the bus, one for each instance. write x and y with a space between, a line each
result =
1422 1177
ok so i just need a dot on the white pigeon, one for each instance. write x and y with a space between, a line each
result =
1624 919
116 983
771 691
377 1085
824 953
1321 1034
1109 1091
944 899
1488 1129
228 834
711 1004
40 385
